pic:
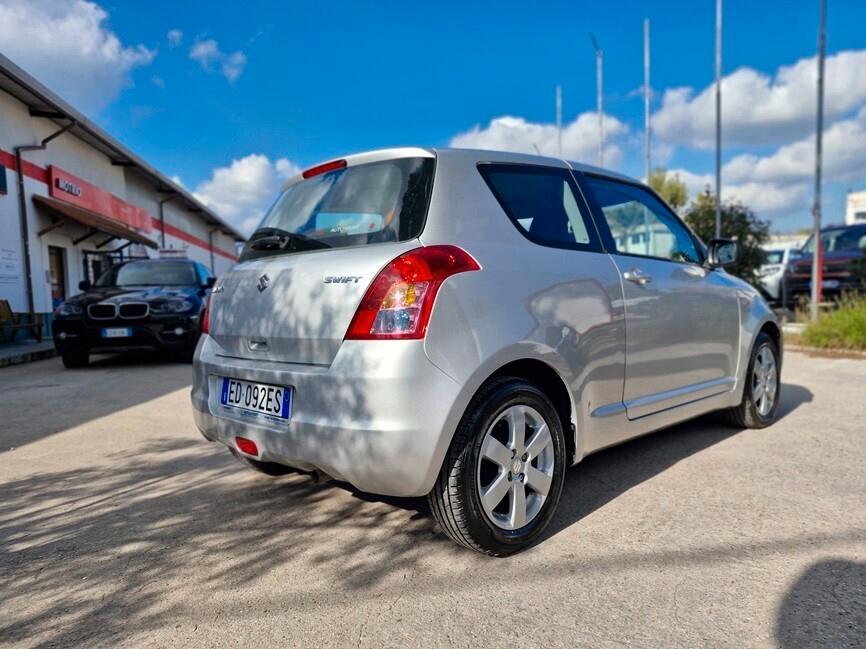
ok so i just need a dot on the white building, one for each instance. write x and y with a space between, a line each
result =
855 210
83 201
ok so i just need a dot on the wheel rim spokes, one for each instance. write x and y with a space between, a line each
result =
517 454
765 381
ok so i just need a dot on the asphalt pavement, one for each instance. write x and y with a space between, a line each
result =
120 526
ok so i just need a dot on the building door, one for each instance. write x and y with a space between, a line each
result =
57 273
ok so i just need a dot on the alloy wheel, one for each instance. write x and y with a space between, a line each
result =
765 380
515 467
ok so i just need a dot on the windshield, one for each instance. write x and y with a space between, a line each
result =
773 256
150 273
354 206
841 240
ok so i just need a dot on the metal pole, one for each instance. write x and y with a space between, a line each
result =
646 93
718 118
559 120
22 207
817 255
599 74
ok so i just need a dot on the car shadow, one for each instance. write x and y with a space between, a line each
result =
602 476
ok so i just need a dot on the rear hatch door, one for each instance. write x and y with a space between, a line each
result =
306 268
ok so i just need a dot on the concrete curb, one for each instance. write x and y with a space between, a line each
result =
834 352
26 356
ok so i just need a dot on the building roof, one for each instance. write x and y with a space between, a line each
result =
42 102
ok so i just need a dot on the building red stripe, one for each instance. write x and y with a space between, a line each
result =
189 238
40 174
31 170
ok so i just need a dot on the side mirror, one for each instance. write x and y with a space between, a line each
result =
211 282
721 252
84 285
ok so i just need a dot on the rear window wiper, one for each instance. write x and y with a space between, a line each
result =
271 242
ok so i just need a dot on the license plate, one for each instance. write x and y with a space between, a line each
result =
117 332
827 283
271 401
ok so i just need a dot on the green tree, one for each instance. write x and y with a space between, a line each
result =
738 223
670 188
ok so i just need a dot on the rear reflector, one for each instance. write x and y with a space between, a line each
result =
324 168
247 446
399 302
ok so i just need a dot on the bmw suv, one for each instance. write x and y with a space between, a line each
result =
465 325
141 304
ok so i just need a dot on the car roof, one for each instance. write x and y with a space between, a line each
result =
486 155
473 155
161 261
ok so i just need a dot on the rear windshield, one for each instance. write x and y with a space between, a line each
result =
150 273
841 240
773 256
356 206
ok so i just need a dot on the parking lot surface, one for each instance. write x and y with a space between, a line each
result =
121 526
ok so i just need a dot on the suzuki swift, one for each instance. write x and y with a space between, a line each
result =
467 324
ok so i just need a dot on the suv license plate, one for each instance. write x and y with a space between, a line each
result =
116 332
272 401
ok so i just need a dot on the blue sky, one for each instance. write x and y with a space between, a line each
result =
273 86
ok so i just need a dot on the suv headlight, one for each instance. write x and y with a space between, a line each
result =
172 306
66 309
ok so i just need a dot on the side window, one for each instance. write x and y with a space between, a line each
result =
640 224
542 204
203 273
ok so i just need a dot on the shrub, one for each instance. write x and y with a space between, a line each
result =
844 328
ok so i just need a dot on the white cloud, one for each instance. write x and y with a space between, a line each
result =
242 191
205 52
762 197
175 37
579 138
209 55
758 109
844 156
233 66
67 45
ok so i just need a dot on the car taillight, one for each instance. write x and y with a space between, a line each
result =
398 303
205 316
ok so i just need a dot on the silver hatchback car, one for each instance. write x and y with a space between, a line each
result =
467 324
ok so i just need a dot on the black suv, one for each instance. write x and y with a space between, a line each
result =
143 304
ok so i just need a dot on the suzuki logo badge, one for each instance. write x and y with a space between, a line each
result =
264 280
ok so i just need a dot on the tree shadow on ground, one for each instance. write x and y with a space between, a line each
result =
87 555
91 555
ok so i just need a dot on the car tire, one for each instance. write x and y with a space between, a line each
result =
268 468
763 378
456 500
75 359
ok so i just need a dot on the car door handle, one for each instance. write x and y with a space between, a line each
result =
637 276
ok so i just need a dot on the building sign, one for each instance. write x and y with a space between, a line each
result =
67 186
64 186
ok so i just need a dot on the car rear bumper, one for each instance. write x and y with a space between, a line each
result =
377 417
